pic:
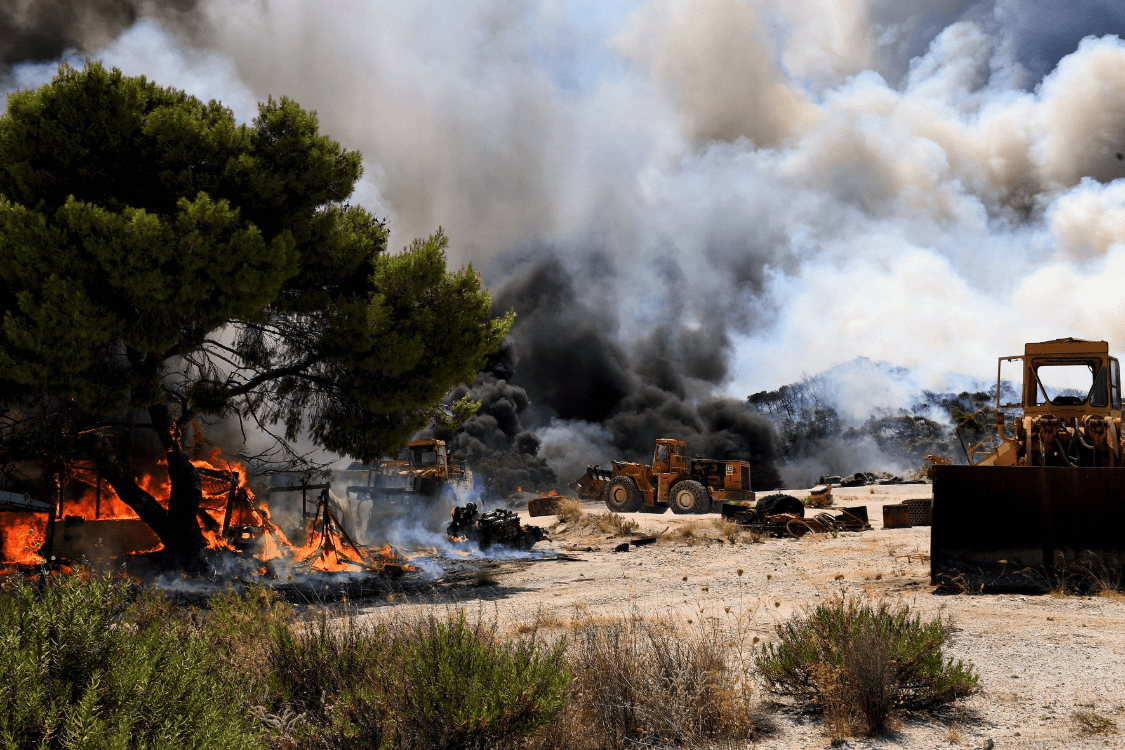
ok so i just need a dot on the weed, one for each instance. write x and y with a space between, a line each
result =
658 682
954 734
1087 574
328 673
568 509
859 660
1088 722
613 523
706 531
734 532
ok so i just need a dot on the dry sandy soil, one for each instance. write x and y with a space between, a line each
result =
1040 658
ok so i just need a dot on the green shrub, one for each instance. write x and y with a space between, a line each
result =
859 661
460 688
329 674
80 673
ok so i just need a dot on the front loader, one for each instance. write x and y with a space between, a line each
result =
1045 498
688 485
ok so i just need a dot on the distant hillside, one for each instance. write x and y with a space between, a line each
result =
871 416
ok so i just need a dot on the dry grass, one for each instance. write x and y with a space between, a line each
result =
709 531
954 733
1090 575
614 523
689 533
543 620
568 509
1088 722
644 682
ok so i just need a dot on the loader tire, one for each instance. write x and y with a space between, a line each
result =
623 495
689 496
773 505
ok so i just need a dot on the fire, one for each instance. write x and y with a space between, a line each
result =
229 519
21 537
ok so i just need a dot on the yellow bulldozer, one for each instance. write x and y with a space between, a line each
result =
421 472
1042 497
688 485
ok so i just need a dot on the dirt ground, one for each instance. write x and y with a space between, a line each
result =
1041 658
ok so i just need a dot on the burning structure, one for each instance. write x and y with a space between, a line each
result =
89 521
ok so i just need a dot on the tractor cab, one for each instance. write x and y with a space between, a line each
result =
423 453
670 456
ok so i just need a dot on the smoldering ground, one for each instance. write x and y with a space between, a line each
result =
689 201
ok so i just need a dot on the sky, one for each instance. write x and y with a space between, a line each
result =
779 188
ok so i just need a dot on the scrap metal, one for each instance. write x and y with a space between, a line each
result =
496 527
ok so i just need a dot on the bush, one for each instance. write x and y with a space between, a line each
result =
646 682
460 688
80 672
327 678
859 661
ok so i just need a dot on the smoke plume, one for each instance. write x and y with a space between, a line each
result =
688 202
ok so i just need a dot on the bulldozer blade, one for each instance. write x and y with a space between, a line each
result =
1025 527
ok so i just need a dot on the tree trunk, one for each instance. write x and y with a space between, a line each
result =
178 527
183 541
120 478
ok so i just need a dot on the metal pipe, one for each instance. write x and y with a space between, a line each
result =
1078 434
1066 457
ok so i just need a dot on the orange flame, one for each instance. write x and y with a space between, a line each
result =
224 484
21 536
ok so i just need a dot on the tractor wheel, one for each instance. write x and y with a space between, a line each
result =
623 495
689 496
773 505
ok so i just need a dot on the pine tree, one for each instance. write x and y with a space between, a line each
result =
157 256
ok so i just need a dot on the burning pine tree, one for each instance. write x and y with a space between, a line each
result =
160 263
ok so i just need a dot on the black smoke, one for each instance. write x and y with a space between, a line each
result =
568 358
42 30
494 440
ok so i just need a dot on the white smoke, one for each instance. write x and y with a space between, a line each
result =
925 183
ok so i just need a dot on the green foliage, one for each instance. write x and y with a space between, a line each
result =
80 673
154 251
137 220
333 674
859 660
461 690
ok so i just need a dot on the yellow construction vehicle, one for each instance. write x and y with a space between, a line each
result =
422 470
688 485
1044 493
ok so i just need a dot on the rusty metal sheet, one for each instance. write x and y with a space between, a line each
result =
98 540
1014 526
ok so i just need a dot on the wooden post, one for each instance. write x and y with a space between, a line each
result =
230 504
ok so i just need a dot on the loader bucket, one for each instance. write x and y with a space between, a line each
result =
592 484
1026 527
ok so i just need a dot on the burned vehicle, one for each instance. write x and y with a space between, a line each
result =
422 474
688 485
1043 495
499 527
